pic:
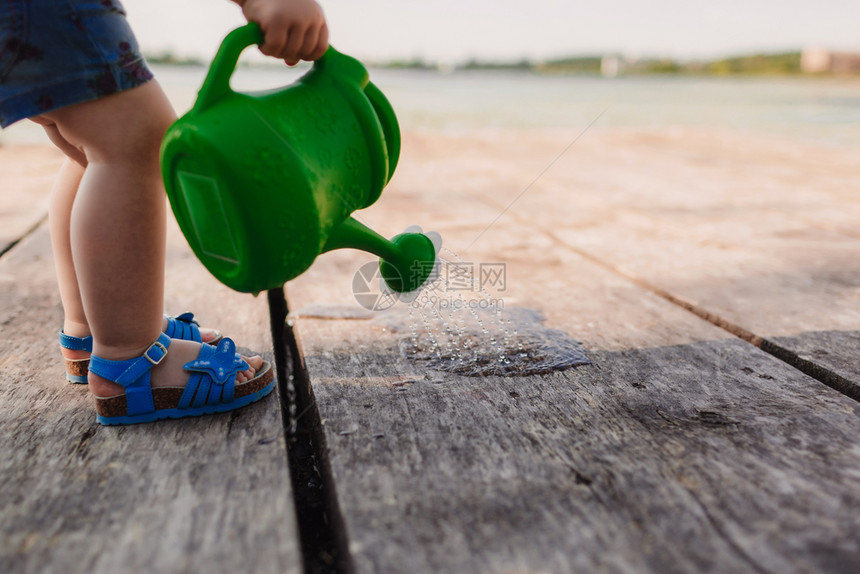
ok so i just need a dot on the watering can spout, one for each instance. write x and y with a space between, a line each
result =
405 261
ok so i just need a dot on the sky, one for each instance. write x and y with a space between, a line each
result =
453 31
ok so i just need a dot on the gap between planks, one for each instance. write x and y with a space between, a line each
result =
322 533
11 245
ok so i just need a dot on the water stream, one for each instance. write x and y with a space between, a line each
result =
471 333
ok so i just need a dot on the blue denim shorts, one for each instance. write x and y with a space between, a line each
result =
55 53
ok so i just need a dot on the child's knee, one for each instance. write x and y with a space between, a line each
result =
123 127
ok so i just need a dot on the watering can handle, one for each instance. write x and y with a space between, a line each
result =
217 83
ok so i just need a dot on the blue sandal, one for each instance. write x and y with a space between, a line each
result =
212 387
184 327
76 369
187 328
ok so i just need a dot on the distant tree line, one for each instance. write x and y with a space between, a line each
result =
785 63
752 64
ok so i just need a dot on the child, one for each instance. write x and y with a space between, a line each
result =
74 67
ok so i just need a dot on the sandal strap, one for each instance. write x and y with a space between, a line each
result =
213 375
76 343
134 375
184 327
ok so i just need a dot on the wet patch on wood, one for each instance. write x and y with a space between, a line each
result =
478 343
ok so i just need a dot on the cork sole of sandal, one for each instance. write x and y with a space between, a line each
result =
112 410
76 370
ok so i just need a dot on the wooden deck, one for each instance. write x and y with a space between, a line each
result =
211 494
713 280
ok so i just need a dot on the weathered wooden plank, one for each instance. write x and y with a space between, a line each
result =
25 182
759 232
210 494
680 449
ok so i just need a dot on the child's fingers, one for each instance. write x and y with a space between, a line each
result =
322 44
312 48
291 31
293 48
310 43
274 39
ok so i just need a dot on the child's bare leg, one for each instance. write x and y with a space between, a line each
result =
118 228
59 214
63 195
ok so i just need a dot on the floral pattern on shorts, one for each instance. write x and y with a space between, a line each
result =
55 54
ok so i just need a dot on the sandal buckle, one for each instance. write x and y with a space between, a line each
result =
160 358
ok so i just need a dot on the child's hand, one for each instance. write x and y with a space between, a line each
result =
292 29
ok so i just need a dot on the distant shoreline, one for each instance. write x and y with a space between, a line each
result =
794 63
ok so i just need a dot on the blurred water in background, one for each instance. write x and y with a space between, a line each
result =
824 110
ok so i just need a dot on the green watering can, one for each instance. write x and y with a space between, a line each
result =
262 183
